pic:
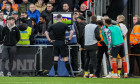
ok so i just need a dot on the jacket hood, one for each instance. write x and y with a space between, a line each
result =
22 27
138 23
36 4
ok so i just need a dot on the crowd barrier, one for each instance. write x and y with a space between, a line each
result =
35 58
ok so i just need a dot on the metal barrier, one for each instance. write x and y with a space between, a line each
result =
40 48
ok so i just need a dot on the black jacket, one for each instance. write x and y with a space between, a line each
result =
10 38
1 27
89 13
55 7
29 21
72 3
47 14
40 26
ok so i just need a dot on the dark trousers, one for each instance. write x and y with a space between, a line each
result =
81 42
134 50
74 58
8 52
90 57
101 51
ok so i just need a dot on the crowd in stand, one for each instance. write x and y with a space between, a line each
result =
34 13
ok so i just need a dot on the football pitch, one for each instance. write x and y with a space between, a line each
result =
66 80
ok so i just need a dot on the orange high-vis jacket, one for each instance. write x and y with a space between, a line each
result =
101 38
135 35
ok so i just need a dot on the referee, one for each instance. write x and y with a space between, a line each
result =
59 46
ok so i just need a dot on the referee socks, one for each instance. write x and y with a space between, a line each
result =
68 67
55 66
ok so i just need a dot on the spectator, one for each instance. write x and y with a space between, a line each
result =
55 5
8 9
66 8
24 6
14 5
42 25
47 12
33 13
83 10
74 49
2 2
87 3
24 15
2 20
72 3
15 15
40 5
34 26
25 32
81 26
76 14
12 35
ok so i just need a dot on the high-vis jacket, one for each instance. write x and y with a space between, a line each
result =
25 36
99 44
135 35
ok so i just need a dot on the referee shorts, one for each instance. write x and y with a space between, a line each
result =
60 48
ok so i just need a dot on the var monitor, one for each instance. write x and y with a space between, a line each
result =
66 17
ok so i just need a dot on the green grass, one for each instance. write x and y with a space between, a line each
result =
65 80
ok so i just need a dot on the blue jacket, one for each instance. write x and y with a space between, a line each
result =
35 15
116 35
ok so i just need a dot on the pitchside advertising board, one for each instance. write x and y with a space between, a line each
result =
28 59
23 60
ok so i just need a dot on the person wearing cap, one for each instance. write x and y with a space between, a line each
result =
8 9
10 36
81 26
14 5
15 15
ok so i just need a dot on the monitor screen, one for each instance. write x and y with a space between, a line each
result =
66 17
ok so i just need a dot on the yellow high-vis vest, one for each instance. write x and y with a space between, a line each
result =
25 36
